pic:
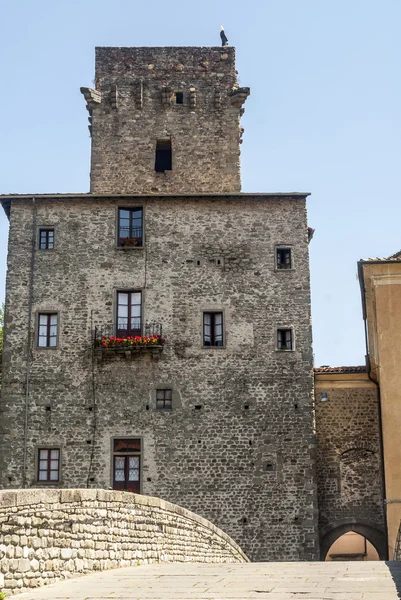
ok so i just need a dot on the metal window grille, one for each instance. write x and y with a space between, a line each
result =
284 339
49 464
164 400
46 239
47 330
213 329
130 226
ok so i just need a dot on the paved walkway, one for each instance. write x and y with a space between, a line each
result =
267 581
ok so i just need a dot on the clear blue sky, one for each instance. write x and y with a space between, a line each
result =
323 116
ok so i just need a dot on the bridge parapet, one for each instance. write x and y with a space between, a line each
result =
47 535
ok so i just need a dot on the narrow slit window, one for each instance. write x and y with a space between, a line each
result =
163 156
284 339
213 329
46 239
283 258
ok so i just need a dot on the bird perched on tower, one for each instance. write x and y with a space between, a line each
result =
224 40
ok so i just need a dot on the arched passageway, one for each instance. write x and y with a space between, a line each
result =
352 546
336 543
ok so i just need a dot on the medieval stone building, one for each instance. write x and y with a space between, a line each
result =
218 418
158 329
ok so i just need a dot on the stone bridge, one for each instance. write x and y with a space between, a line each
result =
49 534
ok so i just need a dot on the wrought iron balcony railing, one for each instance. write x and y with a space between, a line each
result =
112 337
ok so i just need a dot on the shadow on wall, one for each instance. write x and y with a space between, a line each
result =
395 570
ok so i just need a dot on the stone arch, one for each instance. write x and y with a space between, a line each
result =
357 445
335 530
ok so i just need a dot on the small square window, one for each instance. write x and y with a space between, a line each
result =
49 464
213 329
46 239
47 330
164 399
179 97
284 339
283 258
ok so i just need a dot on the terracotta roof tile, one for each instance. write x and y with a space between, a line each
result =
327 369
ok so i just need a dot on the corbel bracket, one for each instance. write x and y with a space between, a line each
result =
217 98
93 97
139 96
114 96
167 97
238 96
192 98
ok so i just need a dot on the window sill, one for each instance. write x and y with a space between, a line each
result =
59 482
46 347
129 247
284 270
284 350
214 347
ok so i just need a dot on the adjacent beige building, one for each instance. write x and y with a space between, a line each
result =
380 280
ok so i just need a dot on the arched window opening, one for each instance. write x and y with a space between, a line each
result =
352 546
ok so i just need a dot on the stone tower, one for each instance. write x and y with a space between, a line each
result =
165 120
217 414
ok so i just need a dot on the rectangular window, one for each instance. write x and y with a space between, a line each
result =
130 225
213 329
49 464
164 399
129 314
127 465
179 97
47 330
46 239
283 258
163 156
284 339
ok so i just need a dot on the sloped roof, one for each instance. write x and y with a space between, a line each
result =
394 257
327 369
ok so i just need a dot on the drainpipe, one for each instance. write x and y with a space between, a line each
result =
28 346
367 358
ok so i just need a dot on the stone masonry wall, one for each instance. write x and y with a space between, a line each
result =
348 455
47 535
204 130
238 446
